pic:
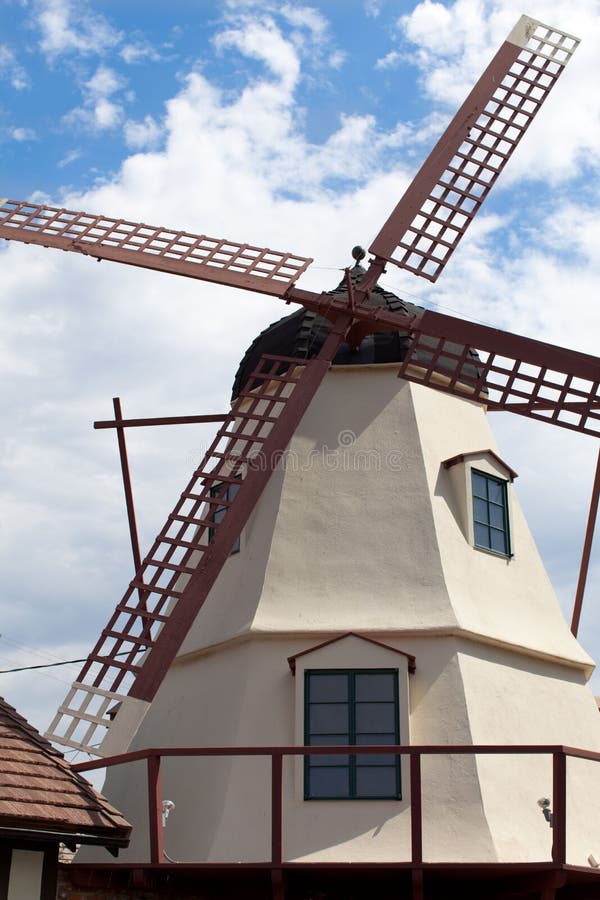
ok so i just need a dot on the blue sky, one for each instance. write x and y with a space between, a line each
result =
294 125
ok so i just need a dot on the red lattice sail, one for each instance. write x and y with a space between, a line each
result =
178 252
126 667
436 210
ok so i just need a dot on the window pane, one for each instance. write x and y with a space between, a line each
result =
328 759
218 512
479 485
329 740
496 491
374 685
480 510
366 759
376 782
362 759
498 541
497 516
482 535
328 718
328 782
328 687
377 739
376 717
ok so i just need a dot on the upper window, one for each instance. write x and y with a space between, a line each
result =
352 706
490 513
218 512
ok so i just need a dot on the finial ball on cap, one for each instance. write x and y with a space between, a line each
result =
358 253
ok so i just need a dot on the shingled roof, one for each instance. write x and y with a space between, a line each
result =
40 792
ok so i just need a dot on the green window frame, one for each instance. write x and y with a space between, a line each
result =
490 513
218 512
351 707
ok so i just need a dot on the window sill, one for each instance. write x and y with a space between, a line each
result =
497 553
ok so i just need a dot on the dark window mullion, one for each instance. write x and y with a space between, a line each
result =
397 736
486 489
352 729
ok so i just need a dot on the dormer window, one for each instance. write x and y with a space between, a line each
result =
481 487
490 513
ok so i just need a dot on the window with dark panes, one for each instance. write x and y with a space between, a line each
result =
490 513
225 494
346 707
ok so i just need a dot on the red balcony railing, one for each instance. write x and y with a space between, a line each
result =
154 756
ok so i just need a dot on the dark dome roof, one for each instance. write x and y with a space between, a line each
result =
302 334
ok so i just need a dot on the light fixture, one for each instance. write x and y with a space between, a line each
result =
167 807
544 805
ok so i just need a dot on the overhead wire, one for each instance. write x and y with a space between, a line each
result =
48 665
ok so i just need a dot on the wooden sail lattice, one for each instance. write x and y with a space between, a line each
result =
434 213
133 243
136 648
505 372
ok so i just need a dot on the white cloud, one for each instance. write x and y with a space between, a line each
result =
104 82
305 17
390 61
451 45
309 36
11 69
99 112
140 135
139 52
262 40
70 157
72 27
22 134
373 8
337 59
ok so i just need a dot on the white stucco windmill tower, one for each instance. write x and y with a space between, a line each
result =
349 567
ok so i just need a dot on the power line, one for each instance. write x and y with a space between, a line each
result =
64 662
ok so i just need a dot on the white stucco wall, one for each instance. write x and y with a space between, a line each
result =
364 530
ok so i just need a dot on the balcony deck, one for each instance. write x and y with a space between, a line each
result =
280 878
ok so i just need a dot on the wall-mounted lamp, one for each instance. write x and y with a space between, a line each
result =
167 807
544 805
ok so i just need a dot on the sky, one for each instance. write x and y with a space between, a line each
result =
290 125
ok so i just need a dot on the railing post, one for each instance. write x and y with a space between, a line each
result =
559 807
276 807
277 885
416 825
155 810
416 816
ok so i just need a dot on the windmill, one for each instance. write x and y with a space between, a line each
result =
468 362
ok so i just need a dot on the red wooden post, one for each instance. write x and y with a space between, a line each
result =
416 817
416 825
276 807
417 884
559 807
277 885
155 810
135 545
587 549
